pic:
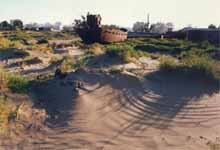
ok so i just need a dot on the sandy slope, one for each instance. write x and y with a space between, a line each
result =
121 112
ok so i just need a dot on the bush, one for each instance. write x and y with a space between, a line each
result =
168 63
15 83
20 35
192 65
55 60
96 49
67 64
203 65
43 48
18 84
4 43
125 53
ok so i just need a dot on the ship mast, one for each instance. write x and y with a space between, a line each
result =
148 22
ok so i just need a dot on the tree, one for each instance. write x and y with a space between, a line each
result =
160 28
170 26
212 26
5 24
17 24
140 27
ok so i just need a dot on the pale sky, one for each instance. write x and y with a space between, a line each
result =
198 13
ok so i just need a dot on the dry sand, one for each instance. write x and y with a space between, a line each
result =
121 112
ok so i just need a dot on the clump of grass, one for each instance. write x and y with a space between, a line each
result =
55 60
5 113
96 49
15 83
18 84
3 80
20 35
80 44
16 44
42 48
203 65
196 65
4 43
167 63
124 52
84 61
67 64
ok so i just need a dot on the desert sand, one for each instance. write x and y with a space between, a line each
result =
159 111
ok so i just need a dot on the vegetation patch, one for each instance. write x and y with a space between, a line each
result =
96 49
15 83
193 65
168 63
42 48
124 52
6 110
67 64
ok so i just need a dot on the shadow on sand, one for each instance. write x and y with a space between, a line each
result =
160 100
57 98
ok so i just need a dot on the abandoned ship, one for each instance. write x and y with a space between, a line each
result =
91 30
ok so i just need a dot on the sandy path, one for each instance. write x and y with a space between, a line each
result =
120 112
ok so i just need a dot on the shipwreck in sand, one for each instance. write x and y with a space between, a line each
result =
91 30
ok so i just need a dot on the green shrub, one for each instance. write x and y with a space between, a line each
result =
55 60
168 63
20 35
15 83
17 44
18 84
203 65
42 48
124 52
84 61
4 43
67 64
96 49
192 65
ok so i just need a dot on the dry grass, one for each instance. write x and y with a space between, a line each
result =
12 82
167 63
3 80
4 43
55 59
6 111
96 49
67 64
42 48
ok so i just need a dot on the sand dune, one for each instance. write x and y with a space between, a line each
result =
120 112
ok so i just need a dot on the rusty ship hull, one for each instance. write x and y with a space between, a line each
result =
112 35
92 31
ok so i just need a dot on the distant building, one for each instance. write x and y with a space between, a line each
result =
200 35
